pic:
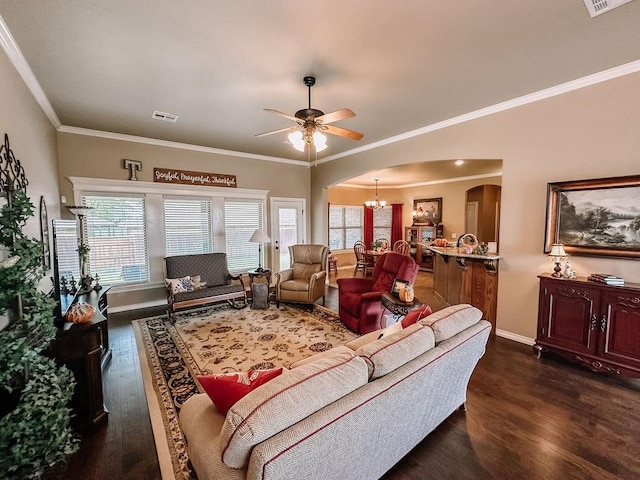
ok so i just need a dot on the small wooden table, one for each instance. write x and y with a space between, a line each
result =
259 290
397 307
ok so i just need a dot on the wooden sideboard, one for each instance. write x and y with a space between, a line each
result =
461 278
591 323
84 349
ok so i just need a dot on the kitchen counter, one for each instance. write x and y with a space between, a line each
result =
455 252
470 278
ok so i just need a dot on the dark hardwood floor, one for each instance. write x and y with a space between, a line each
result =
526 418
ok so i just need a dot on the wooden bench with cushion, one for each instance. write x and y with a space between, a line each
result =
202 279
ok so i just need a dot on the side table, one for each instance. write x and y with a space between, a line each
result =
397 307
260 282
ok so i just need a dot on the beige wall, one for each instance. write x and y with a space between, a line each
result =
33 141
588 133
95 157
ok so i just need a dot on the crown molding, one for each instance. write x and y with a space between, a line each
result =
20 63
422 184
182 146
610 74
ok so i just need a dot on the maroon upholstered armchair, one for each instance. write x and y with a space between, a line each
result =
360 304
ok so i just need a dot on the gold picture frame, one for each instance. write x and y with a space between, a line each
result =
597 217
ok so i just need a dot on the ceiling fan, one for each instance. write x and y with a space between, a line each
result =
311 123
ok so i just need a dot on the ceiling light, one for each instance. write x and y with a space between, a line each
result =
375 204
459 162
299 140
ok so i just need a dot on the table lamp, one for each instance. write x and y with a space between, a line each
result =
557 253
259 237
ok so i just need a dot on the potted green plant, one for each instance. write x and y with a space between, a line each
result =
35 431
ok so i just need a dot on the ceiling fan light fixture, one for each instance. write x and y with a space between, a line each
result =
295 138
320 141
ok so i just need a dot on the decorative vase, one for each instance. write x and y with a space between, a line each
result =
406 293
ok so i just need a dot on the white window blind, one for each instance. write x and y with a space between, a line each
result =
241 219
65 249
345 226
187 226
382 223
116 235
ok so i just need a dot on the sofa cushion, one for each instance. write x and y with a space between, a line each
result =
414 315
227 388
388 353
356 343
449 321
180 285
325 354
286 400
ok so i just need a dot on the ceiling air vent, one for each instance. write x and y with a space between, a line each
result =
596 7
167 117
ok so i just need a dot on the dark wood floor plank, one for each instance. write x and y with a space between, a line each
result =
526 418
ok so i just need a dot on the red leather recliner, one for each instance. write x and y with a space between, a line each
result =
360 304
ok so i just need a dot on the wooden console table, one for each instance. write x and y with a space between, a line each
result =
591 323
84 349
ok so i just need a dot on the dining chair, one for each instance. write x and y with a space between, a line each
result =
385 243
402 247
363 262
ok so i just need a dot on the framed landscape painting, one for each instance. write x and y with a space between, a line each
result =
598 217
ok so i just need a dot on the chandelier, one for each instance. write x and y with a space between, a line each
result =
375 204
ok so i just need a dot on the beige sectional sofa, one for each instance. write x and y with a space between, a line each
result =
351 412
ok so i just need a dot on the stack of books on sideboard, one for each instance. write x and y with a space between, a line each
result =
605 278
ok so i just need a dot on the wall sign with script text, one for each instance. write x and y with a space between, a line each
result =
185 177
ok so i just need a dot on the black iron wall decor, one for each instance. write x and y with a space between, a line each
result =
12 177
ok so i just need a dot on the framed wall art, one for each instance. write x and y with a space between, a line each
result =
427 211
599 217
44 236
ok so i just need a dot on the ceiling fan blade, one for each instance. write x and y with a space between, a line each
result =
335 116
280 130
282 114
343 132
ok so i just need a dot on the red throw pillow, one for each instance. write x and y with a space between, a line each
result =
414 315
227 388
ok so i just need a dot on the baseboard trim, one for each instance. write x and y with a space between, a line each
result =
515 337
137 306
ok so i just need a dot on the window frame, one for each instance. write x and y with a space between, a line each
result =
344 226
154 193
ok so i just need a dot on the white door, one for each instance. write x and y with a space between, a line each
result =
287 228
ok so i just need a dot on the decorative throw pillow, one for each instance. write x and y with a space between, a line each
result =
197 284
414 315
227 388
179 285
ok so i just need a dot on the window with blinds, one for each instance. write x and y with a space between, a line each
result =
187 226
241 219
382 223
115 231
345 226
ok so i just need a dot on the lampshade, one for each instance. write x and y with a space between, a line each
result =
259 236
318 140
79 210
557 250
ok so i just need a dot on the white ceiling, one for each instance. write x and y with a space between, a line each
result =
401 66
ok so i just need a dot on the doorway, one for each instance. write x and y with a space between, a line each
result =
288 224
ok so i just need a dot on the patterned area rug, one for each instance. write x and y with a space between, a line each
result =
219 340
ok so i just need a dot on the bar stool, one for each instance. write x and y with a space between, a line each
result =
333 265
